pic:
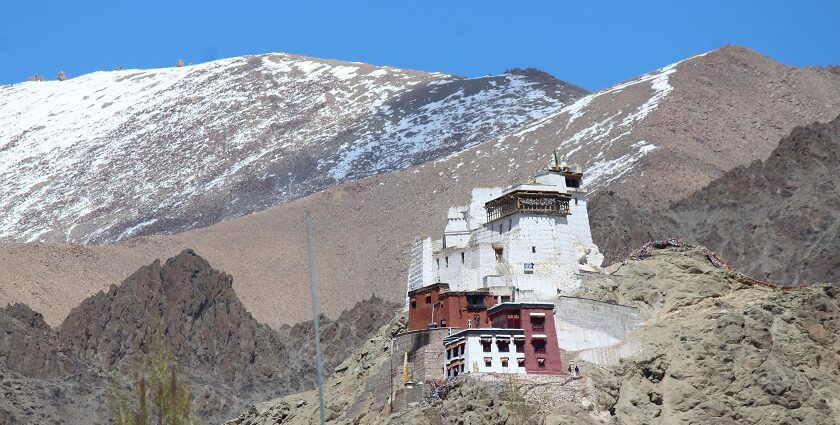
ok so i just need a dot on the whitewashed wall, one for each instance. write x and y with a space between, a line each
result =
474 357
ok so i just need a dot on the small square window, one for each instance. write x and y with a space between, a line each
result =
533 250
488 362
504 346
413 304
538 324
539 345
504 361
520 346
428 298
520 362
485 345
541 363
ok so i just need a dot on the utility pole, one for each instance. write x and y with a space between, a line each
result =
313 277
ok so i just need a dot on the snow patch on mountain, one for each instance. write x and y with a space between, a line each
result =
109 155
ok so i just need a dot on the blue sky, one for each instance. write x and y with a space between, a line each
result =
589 43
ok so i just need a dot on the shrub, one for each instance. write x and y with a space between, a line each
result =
158 396
61 76
179 63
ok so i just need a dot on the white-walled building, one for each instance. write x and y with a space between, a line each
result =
484 350
525 243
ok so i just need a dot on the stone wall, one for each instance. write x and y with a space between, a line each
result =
593 330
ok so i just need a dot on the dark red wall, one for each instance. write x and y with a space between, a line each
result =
553 363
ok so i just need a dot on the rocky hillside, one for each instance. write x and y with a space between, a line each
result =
714 347
110 155
228 357
654 140
777 219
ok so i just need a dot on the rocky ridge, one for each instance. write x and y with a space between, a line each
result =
229 359
711 348
776 219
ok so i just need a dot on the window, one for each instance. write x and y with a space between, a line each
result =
413 304
455 372
539 345
488 362
541 363
443 323
447 261
485 346
510 224
461 367
462 258
499 252
428 298
504 362
520 346
520 362
538 324
575 201
462 348
533 250
437 260
501 228
504 298
504 346
512 321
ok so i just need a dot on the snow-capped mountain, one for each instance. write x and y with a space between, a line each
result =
110 155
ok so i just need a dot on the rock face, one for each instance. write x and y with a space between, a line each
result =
775 219
228 358
714 349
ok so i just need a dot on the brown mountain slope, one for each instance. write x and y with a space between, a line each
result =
777 219
228 358
654 139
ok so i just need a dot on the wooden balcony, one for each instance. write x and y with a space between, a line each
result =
530 202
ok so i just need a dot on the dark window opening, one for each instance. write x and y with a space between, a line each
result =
462 258
575 201
475 302
428 298
488 362
538 324
572 182
437 260
461 367
501 228
520 346
447 261
520 362
512 321
499 253
504 346
504 361
413 304
485 346
505 298
539 345
510 224
462 349
533 250
541 363
443 323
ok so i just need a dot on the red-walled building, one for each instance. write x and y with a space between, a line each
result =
435 306
542 352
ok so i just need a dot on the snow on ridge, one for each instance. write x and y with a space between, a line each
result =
107 155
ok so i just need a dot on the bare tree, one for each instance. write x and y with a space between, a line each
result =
61 76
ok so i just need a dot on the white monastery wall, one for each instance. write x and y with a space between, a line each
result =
474 357
595 331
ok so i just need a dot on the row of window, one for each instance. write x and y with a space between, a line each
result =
520 362
504 346
455 351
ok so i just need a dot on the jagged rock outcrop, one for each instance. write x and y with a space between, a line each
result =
714 348
228 358
777 219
